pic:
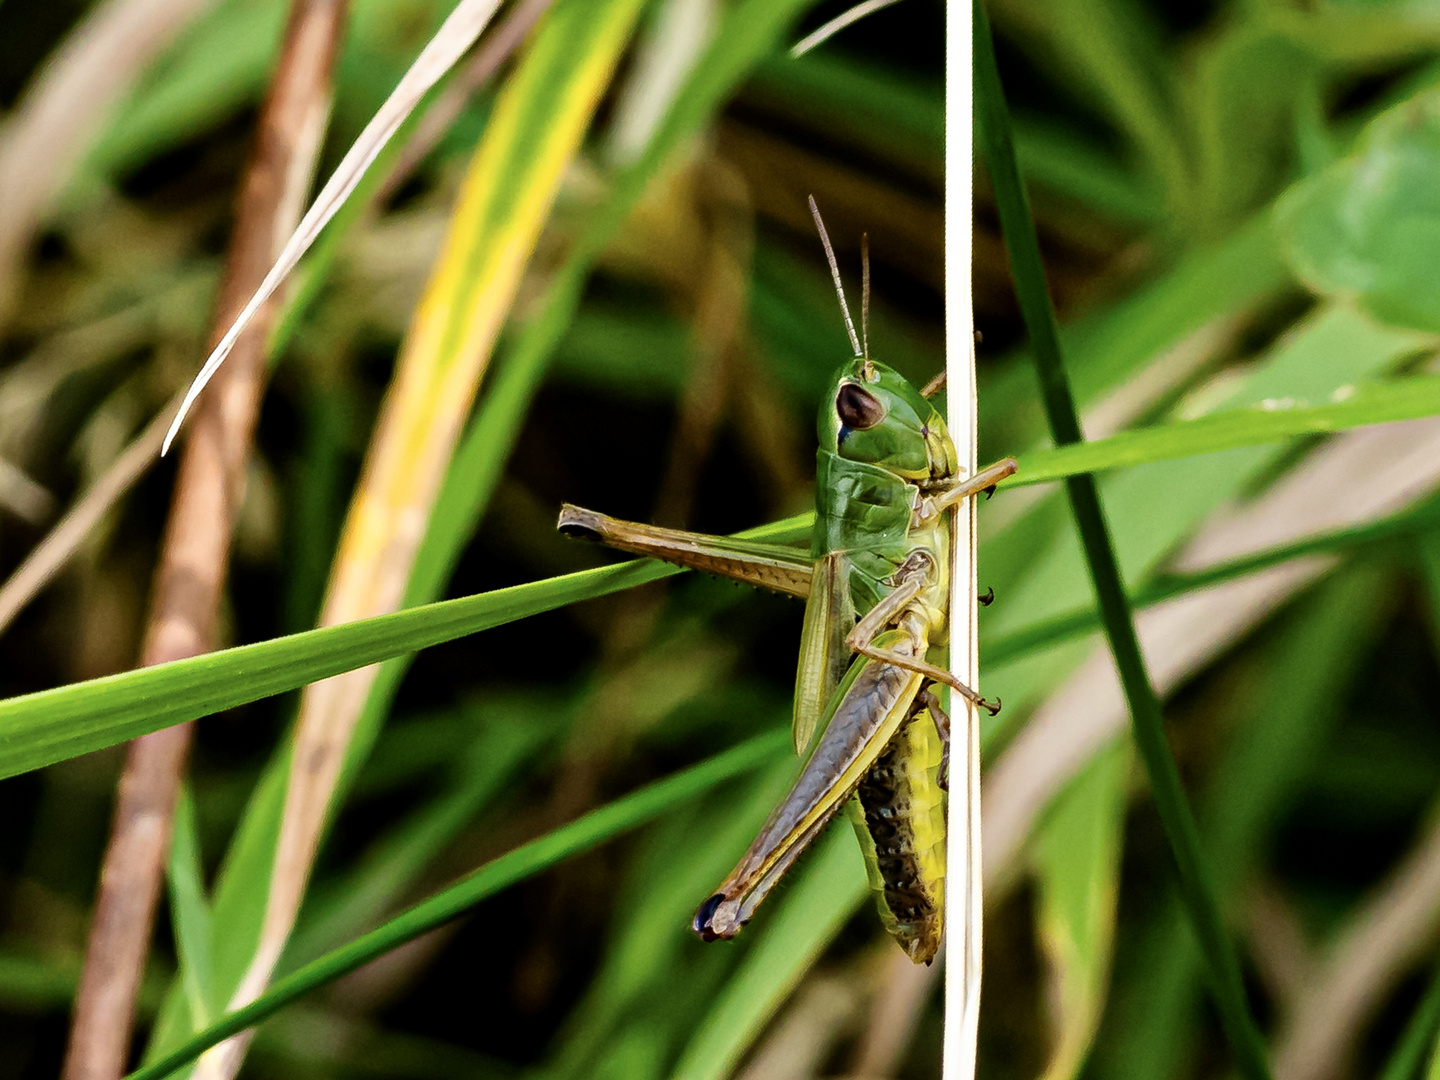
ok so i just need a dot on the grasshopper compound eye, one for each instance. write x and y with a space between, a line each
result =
857 408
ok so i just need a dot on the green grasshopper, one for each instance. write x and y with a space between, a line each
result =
876 587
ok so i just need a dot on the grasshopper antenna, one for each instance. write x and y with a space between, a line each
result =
835 273
865 293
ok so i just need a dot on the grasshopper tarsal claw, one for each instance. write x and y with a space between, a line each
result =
993 710
986 598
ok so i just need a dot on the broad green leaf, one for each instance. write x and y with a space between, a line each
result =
1367 228
1076 861
524 862
830 885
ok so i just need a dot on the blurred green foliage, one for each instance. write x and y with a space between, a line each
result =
1236 203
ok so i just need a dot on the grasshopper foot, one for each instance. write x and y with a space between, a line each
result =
986 598
580 524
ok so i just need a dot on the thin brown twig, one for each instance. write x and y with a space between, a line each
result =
195 554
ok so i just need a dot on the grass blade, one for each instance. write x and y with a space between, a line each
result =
524 862
450 42
1417 1038
1379 403
831 887
1175 813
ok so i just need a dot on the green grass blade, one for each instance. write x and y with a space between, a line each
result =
1377 403
53 725
1417 1038
1175 813
189 911
525 861
1051 631
831 886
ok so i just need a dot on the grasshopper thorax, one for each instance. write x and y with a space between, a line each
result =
873 415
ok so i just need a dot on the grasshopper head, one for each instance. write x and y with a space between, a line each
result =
873 415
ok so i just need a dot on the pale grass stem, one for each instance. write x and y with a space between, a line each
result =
963 909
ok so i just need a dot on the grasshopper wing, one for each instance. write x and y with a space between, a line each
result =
871 704
824 658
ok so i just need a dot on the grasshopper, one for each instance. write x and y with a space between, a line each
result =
876 584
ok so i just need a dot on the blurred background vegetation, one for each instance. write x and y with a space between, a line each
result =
1239 205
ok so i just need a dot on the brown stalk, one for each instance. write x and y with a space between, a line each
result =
195 553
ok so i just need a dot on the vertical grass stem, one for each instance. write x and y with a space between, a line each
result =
963 901
1196 887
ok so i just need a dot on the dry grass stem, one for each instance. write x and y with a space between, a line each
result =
194 559
963 900
454 38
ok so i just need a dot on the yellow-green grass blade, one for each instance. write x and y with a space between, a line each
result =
524 862
747 33
539 121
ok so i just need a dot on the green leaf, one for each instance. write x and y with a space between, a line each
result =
1367 228
1272 421
190 912
1076 858
524 862
52 725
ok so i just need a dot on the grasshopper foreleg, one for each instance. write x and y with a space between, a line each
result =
911 580
984 480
